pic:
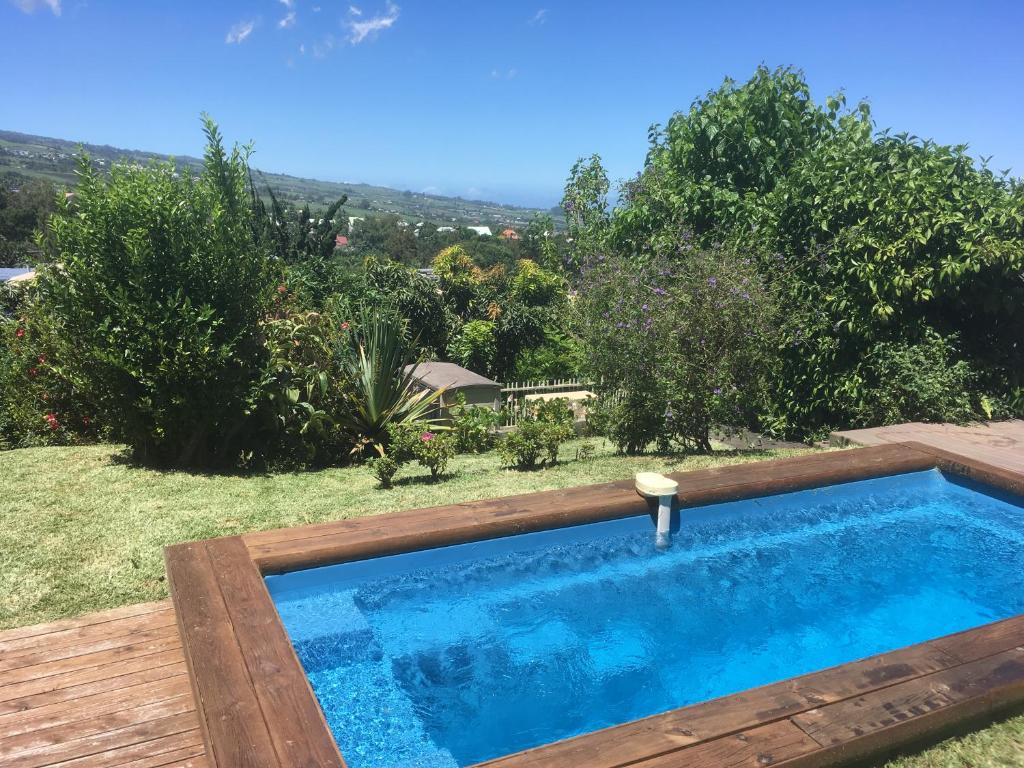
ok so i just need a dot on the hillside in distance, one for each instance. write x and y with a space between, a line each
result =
55 159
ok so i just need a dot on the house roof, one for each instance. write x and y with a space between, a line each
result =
449 375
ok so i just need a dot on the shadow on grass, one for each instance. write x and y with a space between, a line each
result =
415 480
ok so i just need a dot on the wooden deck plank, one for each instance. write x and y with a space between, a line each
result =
89 708
230 714
46 655
149 754
82 661
101 617
109 741
277 677
771 744
856 728
89 633
43 690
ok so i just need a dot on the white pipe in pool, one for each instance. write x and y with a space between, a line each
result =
652 485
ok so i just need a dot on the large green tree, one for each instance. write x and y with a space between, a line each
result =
869 238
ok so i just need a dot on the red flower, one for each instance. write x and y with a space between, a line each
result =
426 437
86 421
344 326
52 421
20 333
33 371
282 288
42 359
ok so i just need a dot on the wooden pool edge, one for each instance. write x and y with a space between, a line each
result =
257 708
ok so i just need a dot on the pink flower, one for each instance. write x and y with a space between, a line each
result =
52 421
42 359
426 437
33 371
20 333
344 326
282 288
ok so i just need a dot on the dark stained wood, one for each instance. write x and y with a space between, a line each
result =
277 677
230 715
861 726
759 747
86 704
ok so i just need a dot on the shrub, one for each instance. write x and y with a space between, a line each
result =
383 468
540 433
474 428
304 390
434 450
916 382
156 302
677 346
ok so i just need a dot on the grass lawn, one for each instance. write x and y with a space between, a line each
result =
82 531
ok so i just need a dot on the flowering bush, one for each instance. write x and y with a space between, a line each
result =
434 450
417 440
677 346
40 404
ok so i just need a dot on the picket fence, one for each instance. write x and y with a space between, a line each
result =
513 395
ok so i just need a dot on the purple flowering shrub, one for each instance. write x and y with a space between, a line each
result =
679 345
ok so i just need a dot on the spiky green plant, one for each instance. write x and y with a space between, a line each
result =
380 361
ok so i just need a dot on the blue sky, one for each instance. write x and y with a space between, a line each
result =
486 99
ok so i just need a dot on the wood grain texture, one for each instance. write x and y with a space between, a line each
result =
105 693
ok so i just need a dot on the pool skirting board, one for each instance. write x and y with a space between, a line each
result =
256 707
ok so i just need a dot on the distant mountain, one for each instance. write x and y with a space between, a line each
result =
54 159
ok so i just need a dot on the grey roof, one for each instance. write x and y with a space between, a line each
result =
449 375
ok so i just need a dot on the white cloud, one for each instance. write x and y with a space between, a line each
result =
539 17
240 31
361 30
302 49
506 74
31 6
287 21
355 10
289 4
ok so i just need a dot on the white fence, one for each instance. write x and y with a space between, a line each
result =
513 395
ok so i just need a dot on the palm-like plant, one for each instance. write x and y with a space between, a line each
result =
380 363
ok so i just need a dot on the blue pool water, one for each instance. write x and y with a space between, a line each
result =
451 656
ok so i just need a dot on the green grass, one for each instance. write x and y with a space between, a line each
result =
81 531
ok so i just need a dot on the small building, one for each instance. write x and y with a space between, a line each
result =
510 234
456 380
482 231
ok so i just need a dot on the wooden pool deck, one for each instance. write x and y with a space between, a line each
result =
103 690
1000 443
212 681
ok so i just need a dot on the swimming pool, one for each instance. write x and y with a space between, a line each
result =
450 656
